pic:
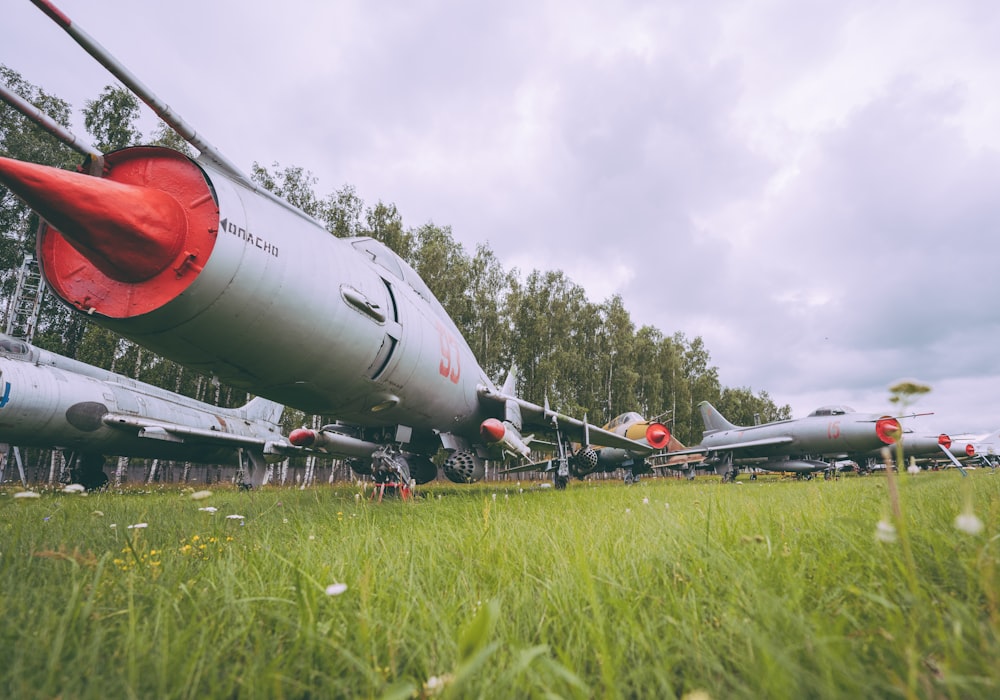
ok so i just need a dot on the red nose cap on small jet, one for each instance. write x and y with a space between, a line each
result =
492 430
129 232
657 435
944 440
970 450
888 429
302 437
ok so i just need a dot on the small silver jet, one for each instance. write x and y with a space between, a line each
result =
191 259
51 401
800 446
586 459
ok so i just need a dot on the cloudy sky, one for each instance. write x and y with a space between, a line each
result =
811 187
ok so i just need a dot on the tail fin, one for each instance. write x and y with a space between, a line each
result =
259 408
713 420
510 384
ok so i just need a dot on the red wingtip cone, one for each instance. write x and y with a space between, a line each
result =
302 437
492 430
129 232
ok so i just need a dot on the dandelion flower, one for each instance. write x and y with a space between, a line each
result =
968 522
234 516
27 494
336 588
200 495
885 531
138 526
74 488
209 509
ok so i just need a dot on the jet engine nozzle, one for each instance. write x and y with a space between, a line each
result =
888 430
657 435
123 244
970 450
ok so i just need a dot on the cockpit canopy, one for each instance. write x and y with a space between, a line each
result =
12 347
832 411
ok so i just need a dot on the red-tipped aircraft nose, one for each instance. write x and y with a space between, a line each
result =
970 450
129 233
888 429
657 435
492 430
944 440
126 243
302 437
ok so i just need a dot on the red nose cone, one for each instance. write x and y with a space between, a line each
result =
129 233
302 437
944 440
970 450
657 435
492 430
888 430
123 244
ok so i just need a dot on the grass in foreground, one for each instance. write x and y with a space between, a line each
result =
771 588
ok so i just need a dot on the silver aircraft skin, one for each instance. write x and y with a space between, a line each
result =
51 401
799 446
192 260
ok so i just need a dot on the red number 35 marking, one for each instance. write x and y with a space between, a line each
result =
450 365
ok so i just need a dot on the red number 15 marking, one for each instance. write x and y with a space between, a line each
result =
450 365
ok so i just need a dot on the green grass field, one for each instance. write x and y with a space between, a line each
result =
773 588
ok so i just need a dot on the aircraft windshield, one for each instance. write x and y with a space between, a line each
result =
832 411
14 348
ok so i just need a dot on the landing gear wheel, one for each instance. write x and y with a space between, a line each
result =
560 482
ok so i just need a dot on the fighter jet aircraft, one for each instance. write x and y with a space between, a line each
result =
51 401
191 259
802 446
587 460
980 448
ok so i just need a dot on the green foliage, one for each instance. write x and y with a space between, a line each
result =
111 118
775 588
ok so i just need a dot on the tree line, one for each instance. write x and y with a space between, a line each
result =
583 357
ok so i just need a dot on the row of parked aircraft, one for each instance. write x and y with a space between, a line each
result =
191 259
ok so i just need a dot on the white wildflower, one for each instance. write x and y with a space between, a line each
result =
138 526
645 501
885 531
208 509
628 510
113 525
234 516
27 494
200 495
435 684
336 588
968 522
74 488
